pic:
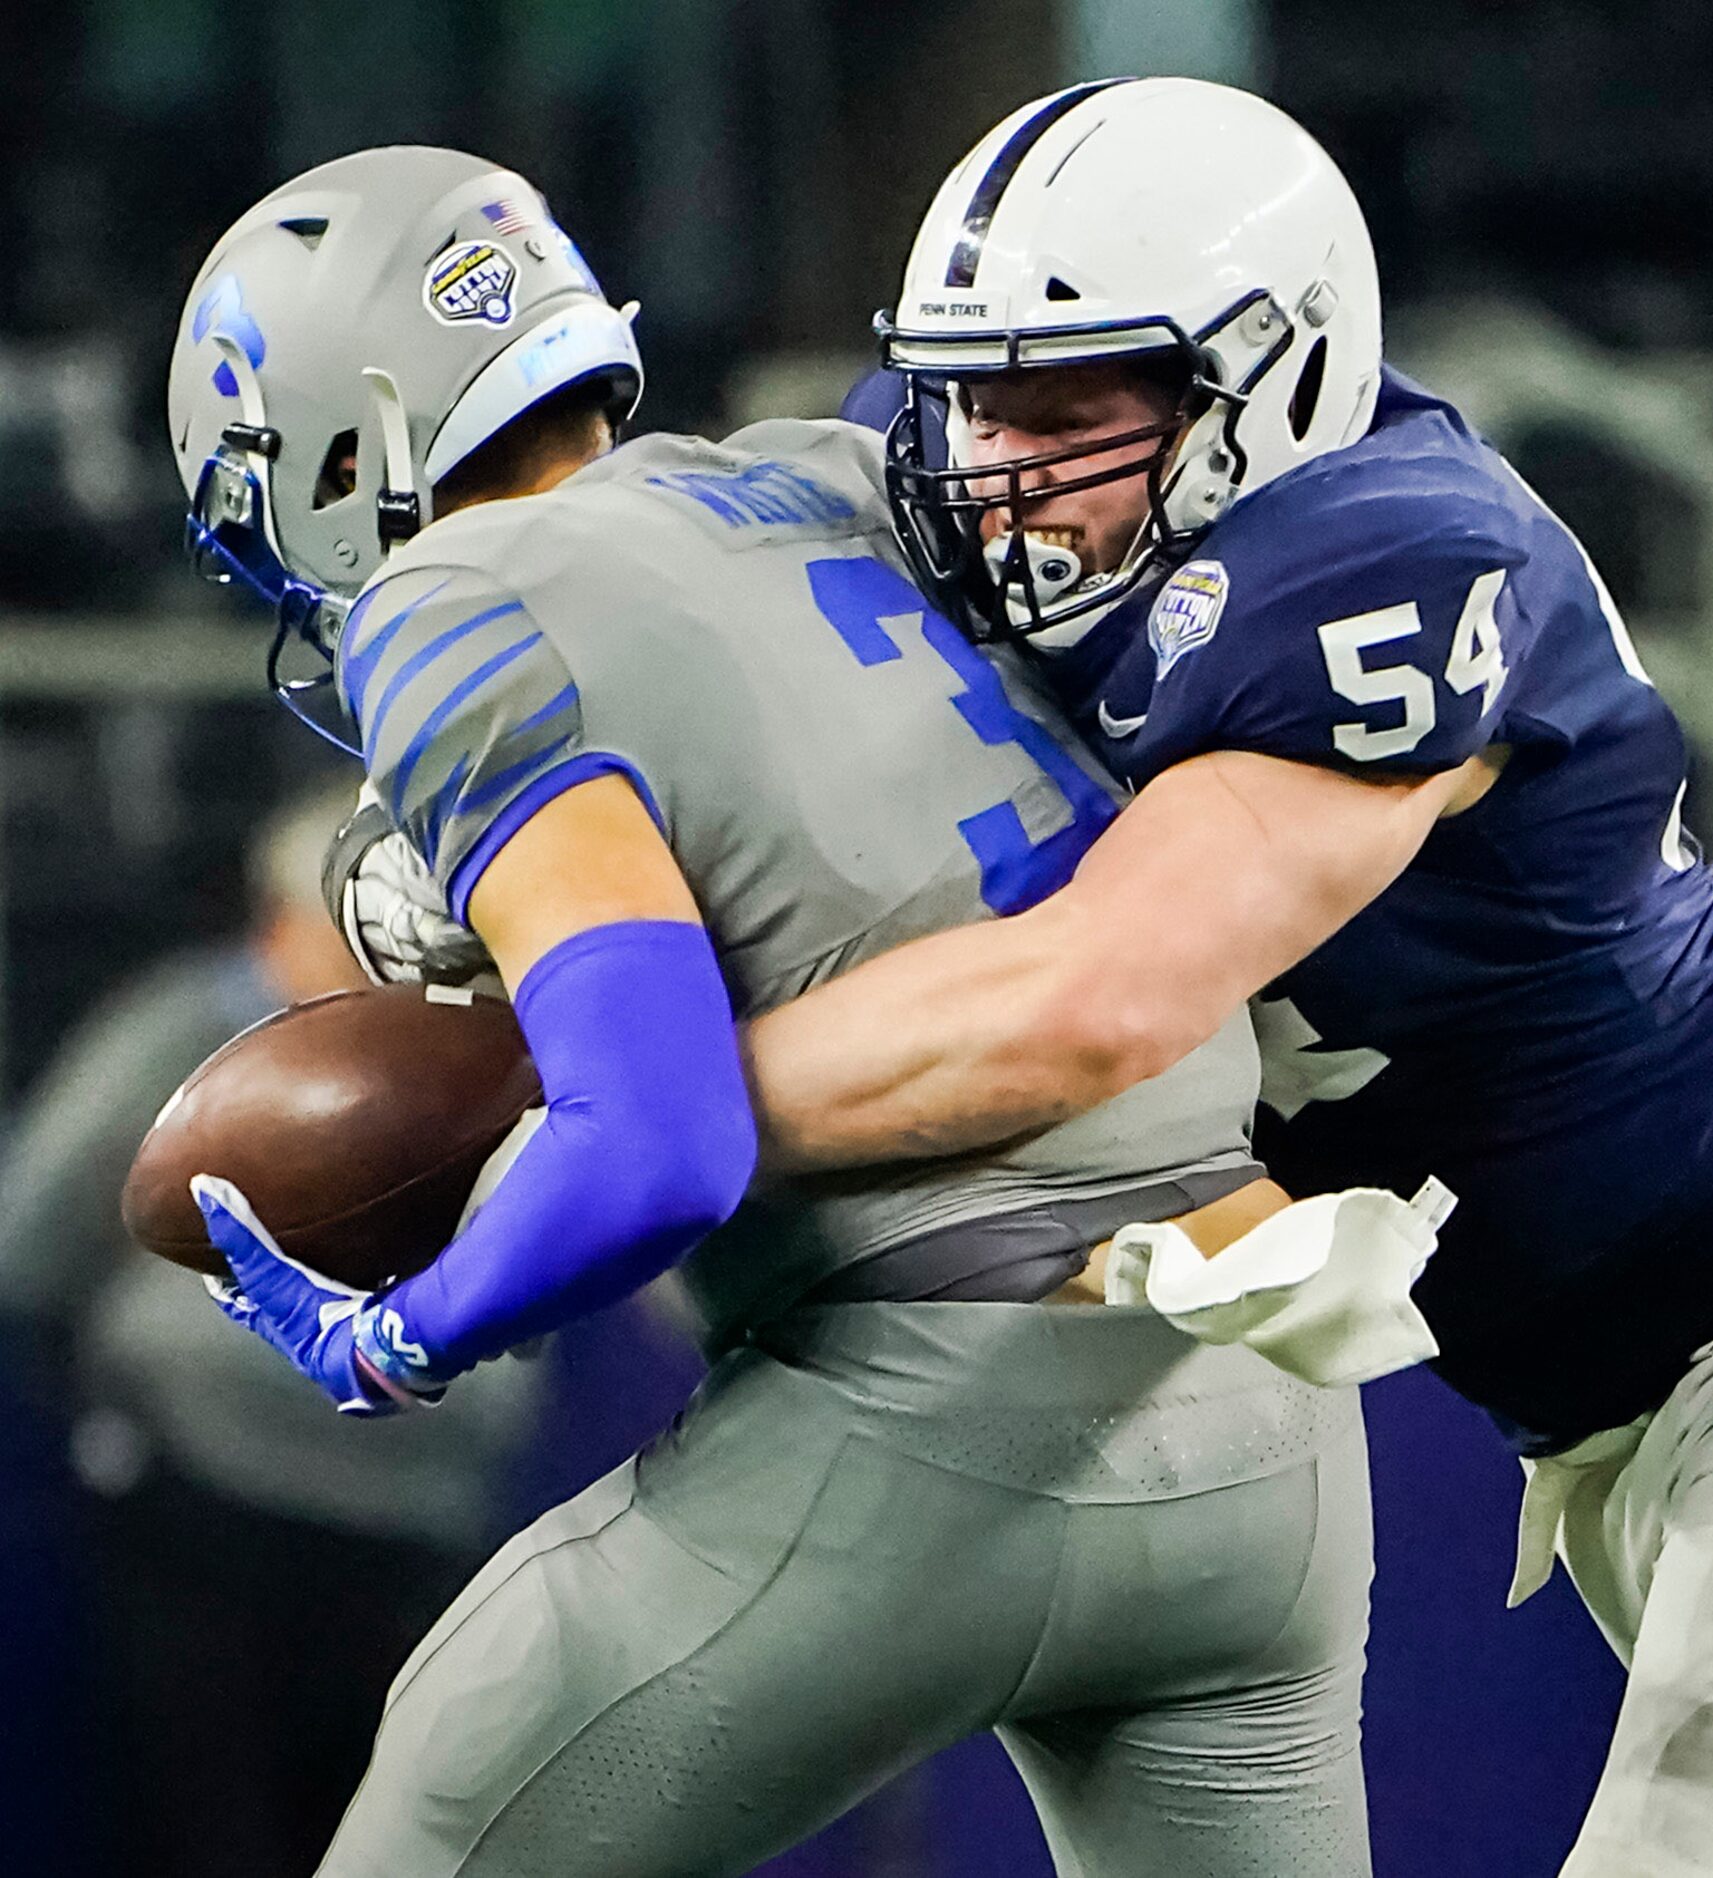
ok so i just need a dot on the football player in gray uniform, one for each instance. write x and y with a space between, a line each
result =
678 739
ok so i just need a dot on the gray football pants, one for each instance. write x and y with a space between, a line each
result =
881 1528
1637 1535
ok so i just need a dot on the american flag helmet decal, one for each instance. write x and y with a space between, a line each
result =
508 215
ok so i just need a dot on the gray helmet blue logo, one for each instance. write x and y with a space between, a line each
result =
351 340
223 307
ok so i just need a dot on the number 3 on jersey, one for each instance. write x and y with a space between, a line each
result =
1476 659
866 602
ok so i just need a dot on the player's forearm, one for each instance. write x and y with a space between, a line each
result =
949 1044
1224 873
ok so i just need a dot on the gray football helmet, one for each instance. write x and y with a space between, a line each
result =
350 340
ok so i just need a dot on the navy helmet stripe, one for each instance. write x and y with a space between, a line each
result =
978 217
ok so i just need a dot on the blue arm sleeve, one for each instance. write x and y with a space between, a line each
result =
648 1146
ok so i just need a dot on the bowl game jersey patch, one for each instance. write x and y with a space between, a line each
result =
1186 612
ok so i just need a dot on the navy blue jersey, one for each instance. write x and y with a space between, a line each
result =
1528 1011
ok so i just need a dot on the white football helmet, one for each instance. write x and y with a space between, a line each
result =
349 341
1162 219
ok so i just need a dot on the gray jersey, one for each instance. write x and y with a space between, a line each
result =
835 768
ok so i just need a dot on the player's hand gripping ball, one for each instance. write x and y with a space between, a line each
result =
354 1125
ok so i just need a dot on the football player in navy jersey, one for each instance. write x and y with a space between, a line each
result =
1400 777
1399 774
602 695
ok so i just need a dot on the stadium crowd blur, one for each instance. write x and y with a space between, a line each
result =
1539 180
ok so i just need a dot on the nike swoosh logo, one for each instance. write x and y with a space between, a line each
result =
1119 726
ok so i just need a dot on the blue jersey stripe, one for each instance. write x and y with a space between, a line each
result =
432 724
420 660
359 612
583 767
498 786
358 666
560 701
445 804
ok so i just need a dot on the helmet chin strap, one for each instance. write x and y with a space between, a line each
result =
399 511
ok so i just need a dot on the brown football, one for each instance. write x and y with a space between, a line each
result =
355 1125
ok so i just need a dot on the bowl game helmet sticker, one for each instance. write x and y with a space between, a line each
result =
472 280
1186 612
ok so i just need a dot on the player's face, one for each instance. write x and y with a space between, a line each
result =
1032 413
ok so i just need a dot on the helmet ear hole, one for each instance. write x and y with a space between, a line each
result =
337 477
1307 394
